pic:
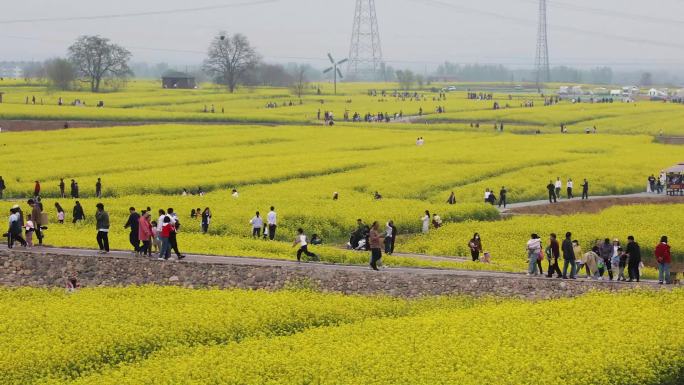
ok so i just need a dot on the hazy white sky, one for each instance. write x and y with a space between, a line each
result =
413 32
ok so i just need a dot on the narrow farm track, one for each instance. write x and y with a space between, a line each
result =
593 204
255 261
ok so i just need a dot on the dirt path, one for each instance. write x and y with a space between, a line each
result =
592 205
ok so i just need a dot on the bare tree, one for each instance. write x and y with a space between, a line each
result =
60 72
406 78
97 58
300 82
228 58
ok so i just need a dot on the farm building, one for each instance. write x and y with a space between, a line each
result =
175 79
657 94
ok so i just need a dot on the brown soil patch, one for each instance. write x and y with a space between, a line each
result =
48 125
591 206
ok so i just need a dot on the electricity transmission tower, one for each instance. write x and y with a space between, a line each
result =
365 54
541 60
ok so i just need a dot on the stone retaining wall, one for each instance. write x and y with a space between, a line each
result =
51 270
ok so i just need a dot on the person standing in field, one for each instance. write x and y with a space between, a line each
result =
78 213
553 254
60 213
300 240
272 221
552 192
585 190
390 237
569 187
102 223
36 214
98 188
145 234
568 256
375 245
74 189
206 219
633 252
533 254
452 199
36 189
606 253
426 222
475 246
61 188
257 223
664 259
557 186
502 196
2 186
133 223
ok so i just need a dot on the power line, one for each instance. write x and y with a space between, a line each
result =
528 23
137 14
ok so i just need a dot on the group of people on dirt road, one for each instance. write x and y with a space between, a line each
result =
604 257
554 189
74 191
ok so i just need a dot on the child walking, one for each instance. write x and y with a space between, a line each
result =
30 229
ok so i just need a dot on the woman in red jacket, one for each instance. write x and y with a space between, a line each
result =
145 234
662 254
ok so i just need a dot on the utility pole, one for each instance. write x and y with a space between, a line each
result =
365 52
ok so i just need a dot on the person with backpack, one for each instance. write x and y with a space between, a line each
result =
102 223
633 252
78 213
300 240
553 254
664 259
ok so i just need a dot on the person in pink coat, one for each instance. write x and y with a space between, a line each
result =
145 234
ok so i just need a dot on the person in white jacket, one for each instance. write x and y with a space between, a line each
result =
257 223
534 250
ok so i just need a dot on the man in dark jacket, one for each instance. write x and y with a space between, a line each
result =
502 196
78 214
552 192
585 189
102 222
633 252
553 256
606 251
98 188
568 257
61 188
133 224
74 194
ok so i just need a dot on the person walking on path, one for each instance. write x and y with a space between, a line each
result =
206 219
98 189
375 245
300 240
651 183
553 254
552 192
585 190
133 224
426 222
590 261
475 246
606 253
502 196
167 229
664 259
257 223
569 186
390 237
61 188
557 187
622 264
173 239
272 221
633 252
78 214
145 234
14 232
102 223
568 256
533 254
37 214
2 186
